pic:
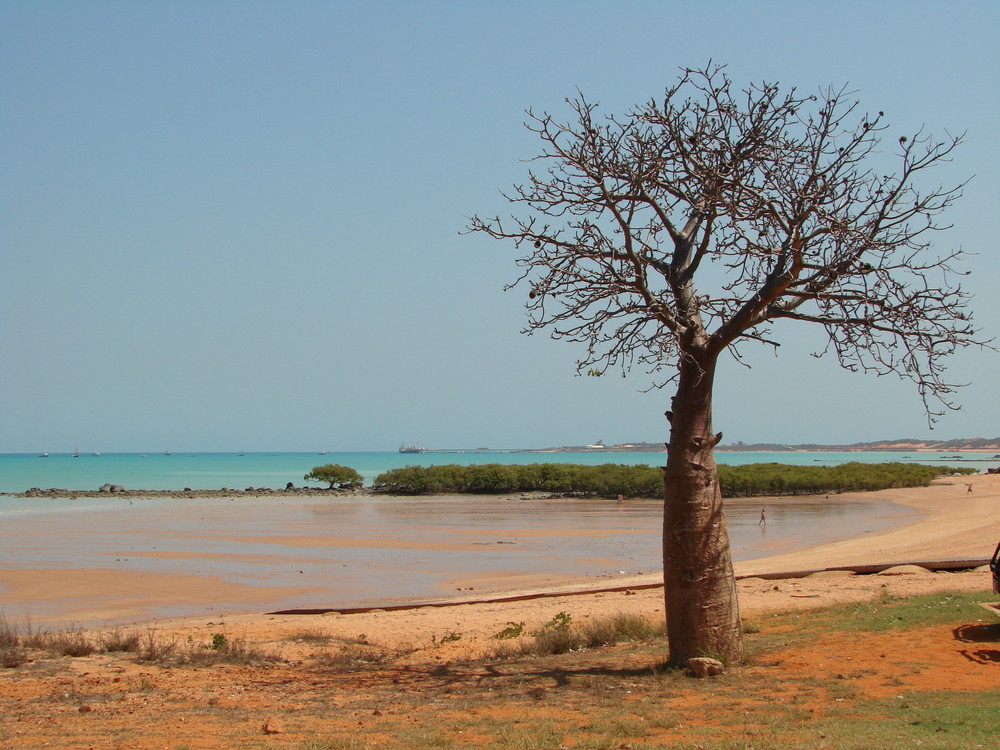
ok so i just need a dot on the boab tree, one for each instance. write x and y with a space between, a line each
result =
689 227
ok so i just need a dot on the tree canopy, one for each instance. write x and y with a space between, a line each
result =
693 224
783 206
336 475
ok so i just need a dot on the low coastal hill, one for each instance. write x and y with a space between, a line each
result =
902 444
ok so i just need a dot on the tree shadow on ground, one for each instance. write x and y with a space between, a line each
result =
455 675
979 634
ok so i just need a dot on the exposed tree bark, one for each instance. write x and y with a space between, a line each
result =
800 216
703 617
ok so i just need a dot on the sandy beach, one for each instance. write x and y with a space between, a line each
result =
953 525
950 524
440 669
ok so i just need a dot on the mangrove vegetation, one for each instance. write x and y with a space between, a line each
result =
612 480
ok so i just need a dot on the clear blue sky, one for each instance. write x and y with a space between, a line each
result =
236 225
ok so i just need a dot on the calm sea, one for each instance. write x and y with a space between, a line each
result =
160 471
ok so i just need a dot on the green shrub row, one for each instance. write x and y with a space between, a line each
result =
607 480
611 480
784 479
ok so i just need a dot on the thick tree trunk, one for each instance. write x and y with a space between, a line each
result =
703 616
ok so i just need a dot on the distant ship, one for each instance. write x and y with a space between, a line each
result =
410 448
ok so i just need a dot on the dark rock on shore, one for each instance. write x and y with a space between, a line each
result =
38 492
116 489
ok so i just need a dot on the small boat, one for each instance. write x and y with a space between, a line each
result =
44 455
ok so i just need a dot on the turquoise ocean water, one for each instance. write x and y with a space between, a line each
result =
176 471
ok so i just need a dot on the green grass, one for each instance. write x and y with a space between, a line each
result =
892 613
927 720
606 697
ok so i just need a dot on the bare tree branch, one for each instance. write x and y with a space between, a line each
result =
787 203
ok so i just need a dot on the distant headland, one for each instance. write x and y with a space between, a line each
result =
895 446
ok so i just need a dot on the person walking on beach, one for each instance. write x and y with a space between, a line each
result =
763 519
968 489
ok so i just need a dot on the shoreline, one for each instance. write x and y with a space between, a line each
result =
948 515
951 524
941 533
184 475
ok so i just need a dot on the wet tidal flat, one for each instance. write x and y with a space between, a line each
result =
125 559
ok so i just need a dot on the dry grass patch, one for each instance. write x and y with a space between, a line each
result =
816 683
354 655
13 652
561 636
